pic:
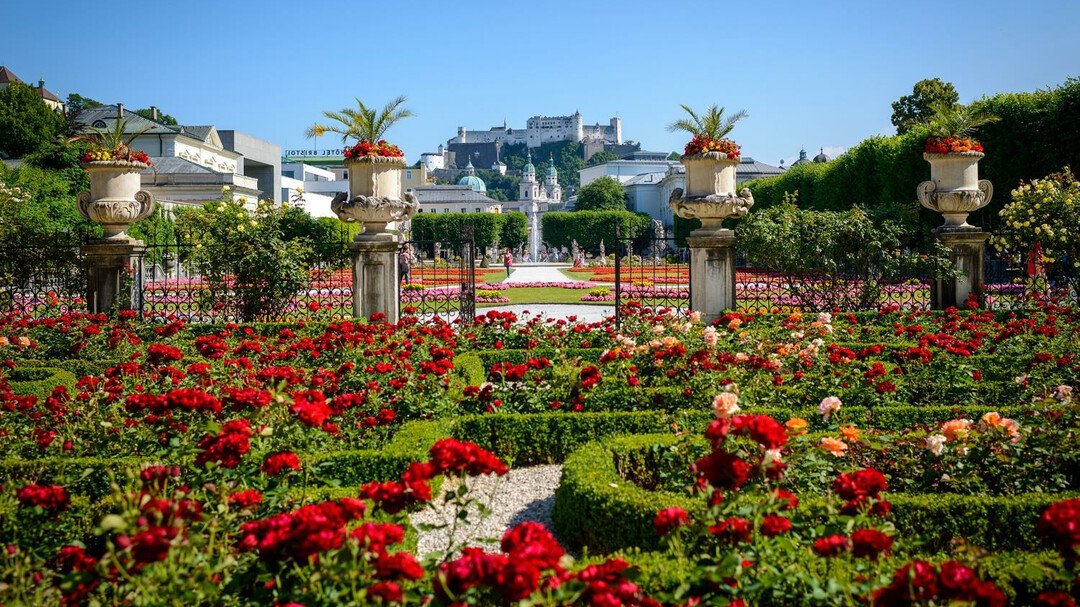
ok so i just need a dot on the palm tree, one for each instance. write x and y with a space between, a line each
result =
956 120
362 123
712 123
115 139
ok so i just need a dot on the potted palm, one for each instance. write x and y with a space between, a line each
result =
115 170
375 197
954 189
710 159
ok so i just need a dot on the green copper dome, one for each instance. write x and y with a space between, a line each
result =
552 172
473 182
529 168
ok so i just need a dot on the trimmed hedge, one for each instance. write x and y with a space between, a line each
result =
598 510
40 381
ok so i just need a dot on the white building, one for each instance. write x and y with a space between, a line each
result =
625 170
7 77
545 129
191 164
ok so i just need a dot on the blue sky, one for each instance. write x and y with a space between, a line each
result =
814 74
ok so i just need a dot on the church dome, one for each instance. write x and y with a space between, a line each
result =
552 171
821 157
473 182
529 167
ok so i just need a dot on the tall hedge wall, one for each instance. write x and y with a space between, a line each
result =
504 229
1038 134
588 228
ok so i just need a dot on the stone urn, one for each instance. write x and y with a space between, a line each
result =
375 197
115 200
954 189
710 191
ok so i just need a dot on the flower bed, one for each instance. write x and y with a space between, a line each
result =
308 412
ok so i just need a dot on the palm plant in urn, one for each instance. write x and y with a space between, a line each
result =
115 199
954 189
710 159
375 197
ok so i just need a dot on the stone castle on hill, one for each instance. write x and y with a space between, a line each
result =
545 129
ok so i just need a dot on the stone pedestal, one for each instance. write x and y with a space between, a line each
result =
375 275
114 274
966 250
712 272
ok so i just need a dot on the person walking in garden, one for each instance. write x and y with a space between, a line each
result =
405 265
508 261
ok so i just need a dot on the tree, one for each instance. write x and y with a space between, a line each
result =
674 156
513 229
26 122
711 124
163 118
604 194
918 107
363 123
77 103
955 120
601 157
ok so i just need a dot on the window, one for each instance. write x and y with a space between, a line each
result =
477 209
344 174
446 210
289 174
420 210
464 210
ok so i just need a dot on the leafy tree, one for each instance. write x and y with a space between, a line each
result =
604 194
918 107
711 124
588 228
26 123
500 187
363 123
601 157
77 103
163 118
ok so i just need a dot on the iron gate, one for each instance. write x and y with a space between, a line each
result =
440 280
653 271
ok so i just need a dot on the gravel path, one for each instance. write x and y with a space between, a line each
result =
525 273
524 494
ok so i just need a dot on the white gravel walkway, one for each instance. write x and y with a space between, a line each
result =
524 494
531 273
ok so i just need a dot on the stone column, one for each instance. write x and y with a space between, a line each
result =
114 275
712 272
966 251
375 275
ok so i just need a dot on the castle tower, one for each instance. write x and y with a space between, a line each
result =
579 126
616 125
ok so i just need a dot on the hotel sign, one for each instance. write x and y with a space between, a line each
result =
331 153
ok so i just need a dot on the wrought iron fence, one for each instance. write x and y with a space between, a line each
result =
177 284
653 272
43 276
1013 283
438 276
762 291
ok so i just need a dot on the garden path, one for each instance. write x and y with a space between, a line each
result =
524 494
538 273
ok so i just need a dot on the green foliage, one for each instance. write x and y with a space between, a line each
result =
588 228
956 120
363 123
566 154
40 381
26 123
448 227
162 117
324 237
1038 134
77 103
500 187
1045 211
513 229
243 256
601 157
711 124
604 194
918 107
674 156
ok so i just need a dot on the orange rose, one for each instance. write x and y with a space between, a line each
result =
834 445
850 432
796 425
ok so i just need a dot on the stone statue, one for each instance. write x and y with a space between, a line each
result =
574 249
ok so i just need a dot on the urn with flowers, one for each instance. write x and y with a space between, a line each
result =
115 199
954 188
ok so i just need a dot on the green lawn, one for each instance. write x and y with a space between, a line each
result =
521 295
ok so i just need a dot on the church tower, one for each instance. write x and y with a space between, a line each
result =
529 189
551 182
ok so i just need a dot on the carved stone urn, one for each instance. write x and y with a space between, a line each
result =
115 200
710 191
954 189
375 197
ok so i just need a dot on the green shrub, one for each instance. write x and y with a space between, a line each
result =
40 381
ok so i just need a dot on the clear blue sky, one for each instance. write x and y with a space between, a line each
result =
814 74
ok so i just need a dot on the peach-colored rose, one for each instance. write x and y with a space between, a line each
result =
935 444
726 404
834 445
956 428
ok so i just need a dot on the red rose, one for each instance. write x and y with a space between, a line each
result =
870 543
276 463
46 497
831 545
1060 523
774 525
668 519
733 530
723 470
